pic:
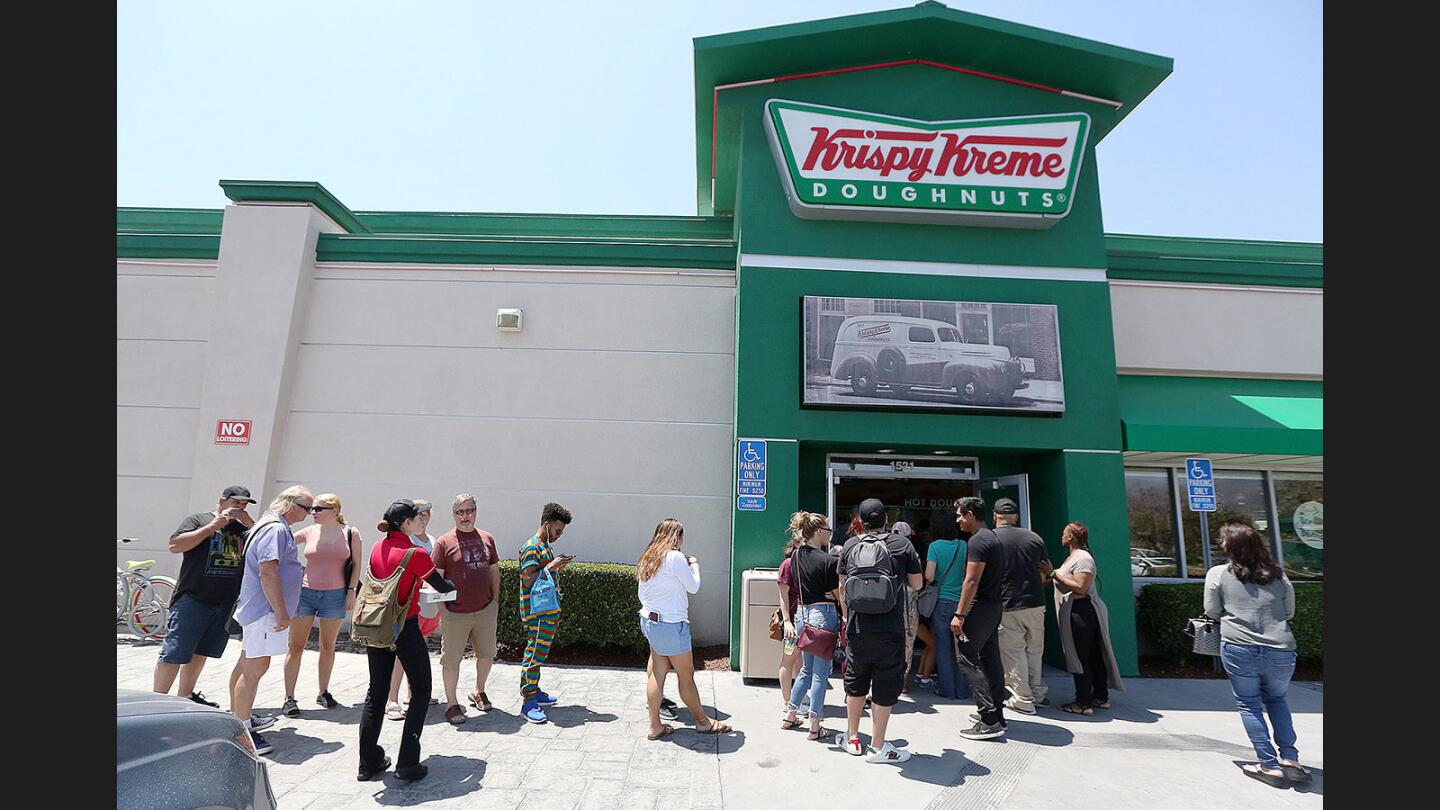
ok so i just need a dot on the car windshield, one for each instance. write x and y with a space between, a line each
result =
948 335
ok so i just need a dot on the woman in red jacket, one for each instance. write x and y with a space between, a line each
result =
401 520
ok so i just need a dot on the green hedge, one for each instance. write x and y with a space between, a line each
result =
599 602
1162 609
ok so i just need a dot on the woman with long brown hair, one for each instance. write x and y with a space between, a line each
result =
785 579
1084 625
815 574
667 577
1254 602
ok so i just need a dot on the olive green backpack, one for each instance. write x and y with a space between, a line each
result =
379 614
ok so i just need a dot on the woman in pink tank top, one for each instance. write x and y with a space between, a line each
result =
327 548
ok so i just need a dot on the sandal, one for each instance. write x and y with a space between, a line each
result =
394 712
1253 771
455 715
821 733
791 725
1076 708
1099 705
481 701
1299 774
715 727
664 732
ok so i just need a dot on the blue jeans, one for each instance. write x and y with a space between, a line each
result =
814 671
1260 677
951 683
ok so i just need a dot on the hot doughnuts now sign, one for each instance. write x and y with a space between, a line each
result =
997 172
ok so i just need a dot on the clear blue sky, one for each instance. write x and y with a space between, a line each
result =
432 106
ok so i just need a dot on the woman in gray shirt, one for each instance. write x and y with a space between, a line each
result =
1254 603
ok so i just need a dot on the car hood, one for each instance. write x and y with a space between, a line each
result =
987 351
133 703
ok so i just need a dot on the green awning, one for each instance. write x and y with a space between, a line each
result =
1223 415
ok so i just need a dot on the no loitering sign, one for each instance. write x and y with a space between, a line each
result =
232 431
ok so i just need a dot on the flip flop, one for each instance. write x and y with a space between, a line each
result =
1253 771
664 732
1299 774
716 727
1076 708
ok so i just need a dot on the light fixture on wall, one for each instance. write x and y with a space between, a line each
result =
886 450
509 320
940 452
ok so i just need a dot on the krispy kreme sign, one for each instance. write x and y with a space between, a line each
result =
999 172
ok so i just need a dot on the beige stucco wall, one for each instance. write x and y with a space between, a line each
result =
1218 330
381 382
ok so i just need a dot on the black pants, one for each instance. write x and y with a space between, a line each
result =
415 660
1090 685
981 663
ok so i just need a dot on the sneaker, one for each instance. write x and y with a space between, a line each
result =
1022 708
366 776
546 700
667 709
853 747
975 718
262 746
327 701
258 723
887 753
199 698
980 731
928 683
291 708
412 773
531 711
1043 702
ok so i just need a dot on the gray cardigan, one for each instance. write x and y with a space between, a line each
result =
1250 613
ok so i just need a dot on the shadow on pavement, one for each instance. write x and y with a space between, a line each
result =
949 769
293 748
1039 733
494 721
1317 786
572 716
450 777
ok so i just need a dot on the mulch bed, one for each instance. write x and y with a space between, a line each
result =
1198 667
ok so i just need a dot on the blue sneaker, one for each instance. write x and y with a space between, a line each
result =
531 711
545 700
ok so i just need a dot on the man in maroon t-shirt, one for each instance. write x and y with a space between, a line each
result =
467 557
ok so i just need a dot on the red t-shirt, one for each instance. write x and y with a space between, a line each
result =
386 557
785 578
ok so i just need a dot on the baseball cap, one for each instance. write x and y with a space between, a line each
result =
401 511
902 528
237 492
422 507
1005 506
872 513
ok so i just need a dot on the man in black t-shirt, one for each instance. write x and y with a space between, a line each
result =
205 592
977 620
875 642
1022 596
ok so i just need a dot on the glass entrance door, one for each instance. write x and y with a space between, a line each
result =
1014 487
921 492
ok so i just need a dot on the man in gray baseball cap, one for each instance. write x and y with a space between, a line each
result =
1022 594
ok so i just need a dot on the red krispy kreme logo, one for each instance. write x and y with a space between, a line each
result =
957 157
232 431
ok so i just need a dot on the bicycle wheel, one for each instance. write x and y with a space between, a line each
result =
120 600
149 609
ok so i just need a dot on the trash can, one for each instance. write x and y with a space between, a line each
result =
759 654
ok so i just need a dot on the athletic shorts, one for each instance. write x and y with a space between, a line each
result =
875 665
194 628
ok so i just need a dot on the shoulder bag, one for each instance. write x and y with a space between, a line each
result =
817 641
930 594
349 559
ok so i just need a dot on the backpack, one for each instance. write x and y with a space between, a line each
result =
870 585
379 614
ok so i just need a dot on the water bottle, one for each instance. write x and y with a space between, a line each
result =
789 646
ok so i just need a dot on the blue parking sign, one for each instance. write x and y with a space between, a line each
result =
750 468
1200 484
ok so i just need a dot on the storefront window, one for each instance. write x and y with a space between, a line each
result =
1300 504
1240 497
1154 547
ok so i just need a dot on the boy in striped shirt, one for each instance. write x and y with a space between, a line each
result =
536 554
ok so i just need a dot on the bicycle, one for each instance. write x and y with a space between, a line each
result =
142 603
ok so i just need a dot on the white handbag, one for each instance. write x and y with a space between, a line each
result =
1204 633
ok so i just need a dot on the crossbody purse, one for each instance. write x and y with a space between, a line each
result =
817 641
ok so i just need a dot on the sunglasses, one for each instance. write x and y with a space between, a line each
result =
318 508
464 511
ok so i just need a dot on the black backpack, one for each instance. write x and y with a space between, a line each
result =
870 585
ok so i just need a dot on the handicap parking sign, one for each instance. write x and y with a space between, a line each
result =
1200 484
750 468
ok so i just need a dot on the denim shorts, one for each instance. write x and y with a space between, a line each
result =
194 628
666 638
325 604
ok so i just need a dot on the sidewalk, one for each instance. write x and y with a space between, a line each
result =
1167 743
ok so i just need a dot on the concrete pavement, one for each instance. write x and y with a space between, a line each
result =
1167 743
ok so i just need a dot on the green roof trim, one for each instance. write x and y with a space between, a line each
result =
169 220
477 250
1223 415
929 31
167 246
301 191
1215 261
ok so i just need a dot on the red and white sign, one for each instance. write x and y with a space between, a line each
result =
232 431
